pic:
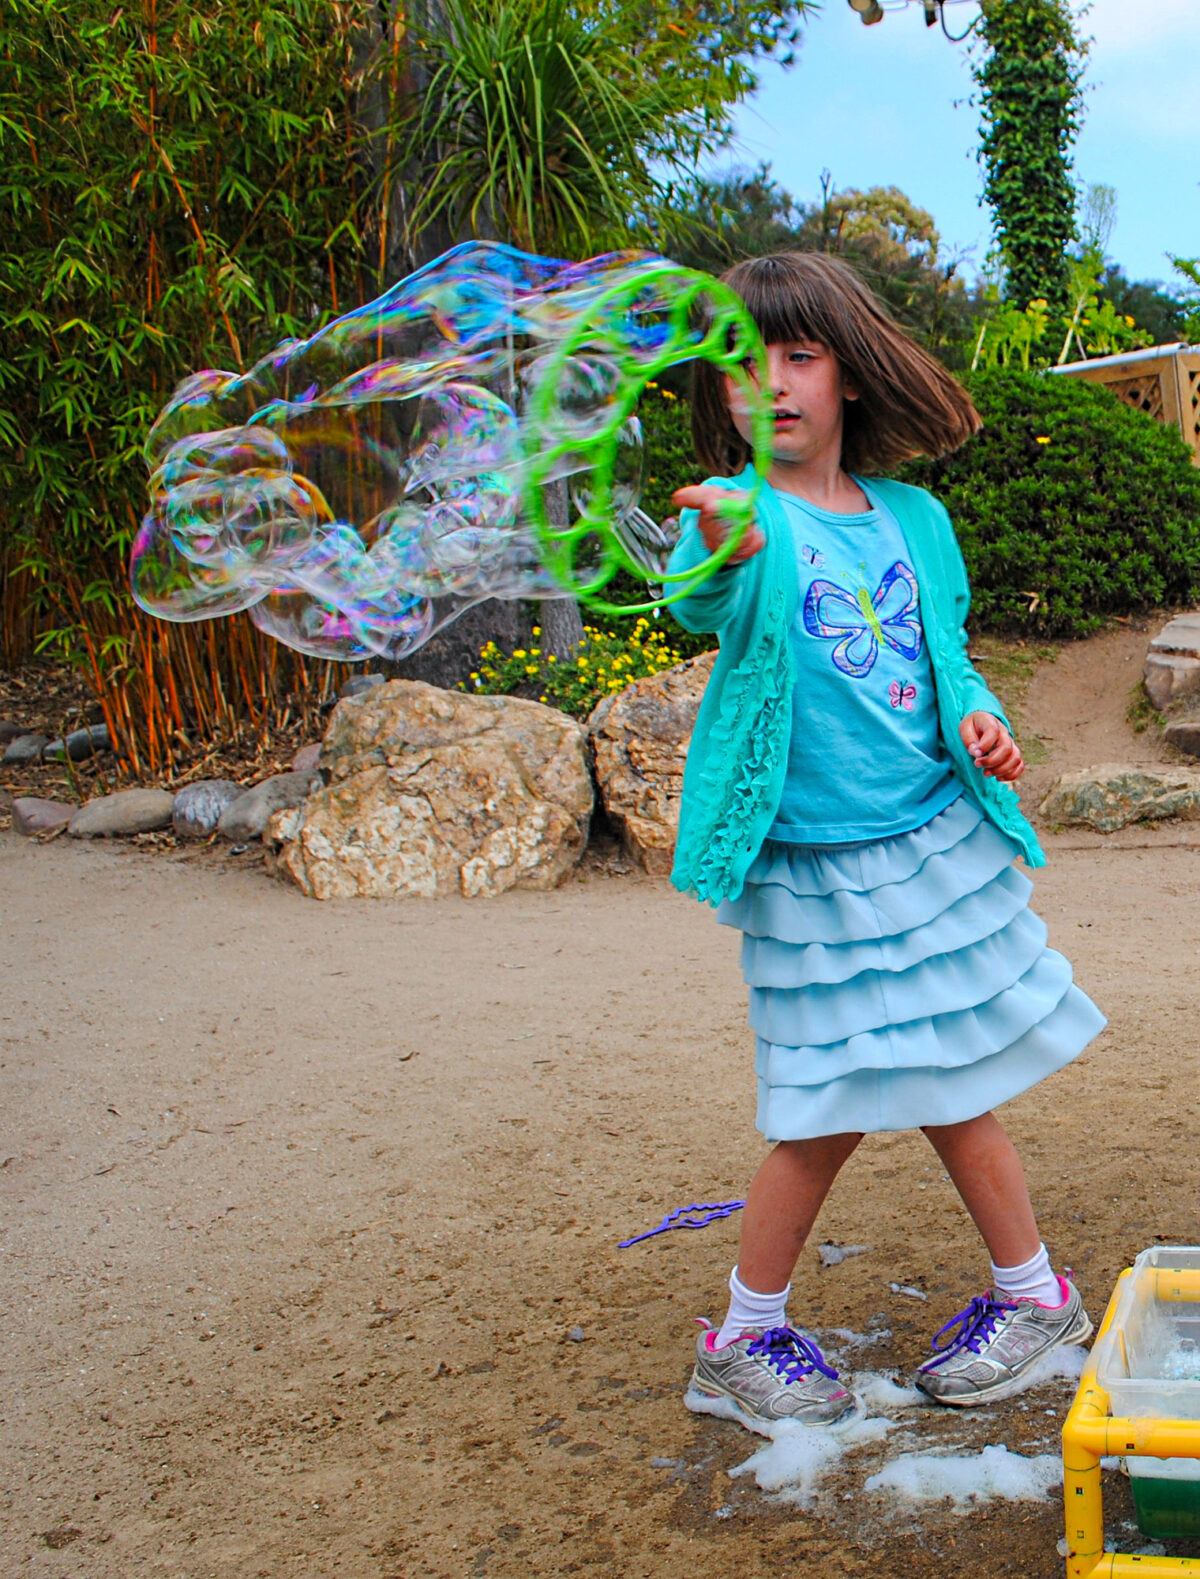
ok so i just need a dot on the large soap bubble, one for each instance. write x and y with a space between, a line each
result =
470 434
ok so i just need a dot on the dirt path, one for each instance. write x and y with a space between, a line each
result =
311 1216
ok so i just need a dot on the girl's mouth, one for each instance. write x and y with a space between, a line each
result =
785 419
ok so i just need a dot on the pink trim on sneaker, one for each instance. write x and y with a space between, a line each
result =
1028 1299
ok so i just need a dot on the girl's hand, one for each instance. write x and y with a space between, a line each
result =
995 751
714 525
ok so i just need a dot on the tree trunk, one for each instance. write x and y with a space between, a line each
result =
451 655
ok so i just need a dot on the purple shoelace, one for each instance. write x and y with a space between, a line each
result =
791 1354
974 1326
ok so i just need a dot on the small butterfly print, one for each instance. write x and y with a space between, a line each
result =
810 556
902 695
859 623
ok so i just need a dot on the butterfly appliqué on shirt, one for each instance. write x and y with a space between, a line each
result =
860 623
902 695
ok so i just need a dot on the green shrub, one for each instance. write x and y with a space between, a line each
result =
603 662
1069 505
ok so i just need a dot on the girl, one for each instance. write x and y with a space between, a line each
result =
847 802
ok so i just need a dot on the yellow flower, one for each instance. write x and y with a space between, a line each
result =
582 662
650 384
531 668
1129 320
1041 439
537 630
518 652
541 698
551 659
667 395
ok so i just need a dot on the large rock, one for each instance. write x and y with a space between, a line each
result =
639 740
1184 735
1111 795
32 815
1173 662
25 749
198 807
435 792
247 817
123 814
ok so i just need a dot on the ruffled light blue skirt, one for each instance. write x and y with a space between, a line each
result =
900 982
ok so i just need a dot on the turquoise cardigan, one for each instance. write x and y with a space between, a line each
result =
733 781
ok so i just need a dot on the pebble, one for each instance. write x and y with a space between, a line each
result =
10 731
32 815
78 745
358 683
247 817
25 748
198 807
576 1335
123 814
307 758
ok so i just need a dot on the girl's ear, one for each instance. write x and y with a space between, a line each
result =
850 390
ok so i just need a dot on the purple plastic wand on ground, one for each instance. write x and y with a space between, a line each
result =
681 1218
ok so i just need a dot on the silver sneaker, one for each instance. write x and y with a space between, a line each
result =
764 1379
994 1344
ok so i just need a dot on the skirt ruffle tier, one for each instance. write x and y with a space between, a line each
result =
900 982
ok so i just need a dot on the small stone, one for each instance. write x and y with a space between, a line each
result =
576 1335
24 749
1184 735
31 815
247 816
78 745
123 814
10 731
198 806
358 683
307 758
1112 795
834 1255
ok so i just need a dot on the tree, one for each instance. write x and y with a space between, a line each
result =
1029 77
893 243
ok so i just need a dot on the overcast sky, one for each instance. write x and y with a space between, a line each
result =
887 106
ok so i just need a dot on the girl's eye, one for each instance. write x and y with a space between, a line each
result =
800 356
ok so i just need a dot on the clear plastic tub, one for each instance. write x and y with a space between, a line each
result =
1150 1367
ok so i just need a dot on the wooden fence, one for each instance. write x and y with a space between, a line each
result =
1163 381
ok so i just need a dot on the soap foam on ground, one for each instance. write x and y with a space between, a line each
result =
969 1478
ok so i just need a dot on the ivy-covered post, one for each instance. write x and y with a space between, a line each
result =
1029 77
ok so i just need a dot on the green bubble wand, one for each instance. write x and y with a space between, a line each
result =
706 320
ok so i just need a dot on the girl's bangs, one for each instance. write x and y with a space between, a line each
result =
777 301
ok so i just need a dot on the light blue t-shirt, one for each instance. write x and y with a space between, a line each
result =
866 759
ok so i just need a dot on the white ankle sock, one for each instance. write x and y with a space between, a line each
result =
1034 1279
748 1309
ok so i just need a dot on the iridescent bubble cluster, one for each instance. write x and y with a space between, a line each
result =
470 434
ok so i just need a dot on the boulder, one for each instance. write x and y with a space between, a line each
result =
435 792
639 740
1110 796
78 745
198 806
31 815
123 814
24 749
246 818
1173 662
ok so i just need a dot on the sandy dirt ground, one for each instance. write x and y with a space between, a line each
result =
311 1215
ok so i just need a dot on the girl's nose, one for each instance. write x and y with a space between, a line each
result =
776 374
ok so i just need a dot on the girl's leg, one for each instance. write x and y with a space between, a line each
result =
987 1173
782 1205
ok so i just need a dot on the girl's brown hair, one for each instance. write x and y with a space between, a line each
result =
908 404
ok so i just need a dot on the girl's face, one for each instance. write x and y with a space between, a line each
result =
806 389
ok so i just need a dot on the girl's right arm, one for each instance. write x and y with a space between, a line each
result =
704 529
